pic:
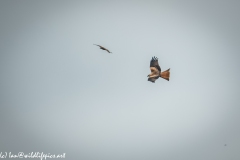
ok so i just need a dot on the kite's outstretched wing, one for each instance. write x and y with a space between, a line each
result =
97 45
154 63
108 50
153 79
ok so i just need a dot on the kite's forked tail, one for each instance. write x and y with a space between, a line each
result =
166 74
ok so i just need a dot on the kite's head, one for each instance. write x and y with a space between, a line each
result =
149 75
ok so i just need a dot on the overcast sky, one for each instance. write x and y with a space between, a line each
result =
61 94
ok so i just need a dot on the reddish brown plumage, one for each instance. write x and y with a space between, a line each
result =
165 74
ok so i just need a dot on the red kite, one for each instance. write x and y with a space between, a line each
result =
101 47
156 71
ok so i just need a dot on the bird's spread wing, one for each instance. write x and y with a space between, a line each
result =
154 63
153 79
97 45
108 51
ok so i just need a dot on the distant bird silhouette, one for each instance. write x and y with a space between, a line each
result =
101 47
156 71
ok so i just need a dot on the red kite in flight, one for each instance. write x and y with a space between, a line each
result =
101 47
156 71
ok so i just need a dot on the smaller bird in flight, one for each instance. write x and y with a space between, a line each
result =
156 71
101 47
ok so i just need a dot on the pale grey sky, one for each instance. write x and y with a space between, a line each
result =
61 94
